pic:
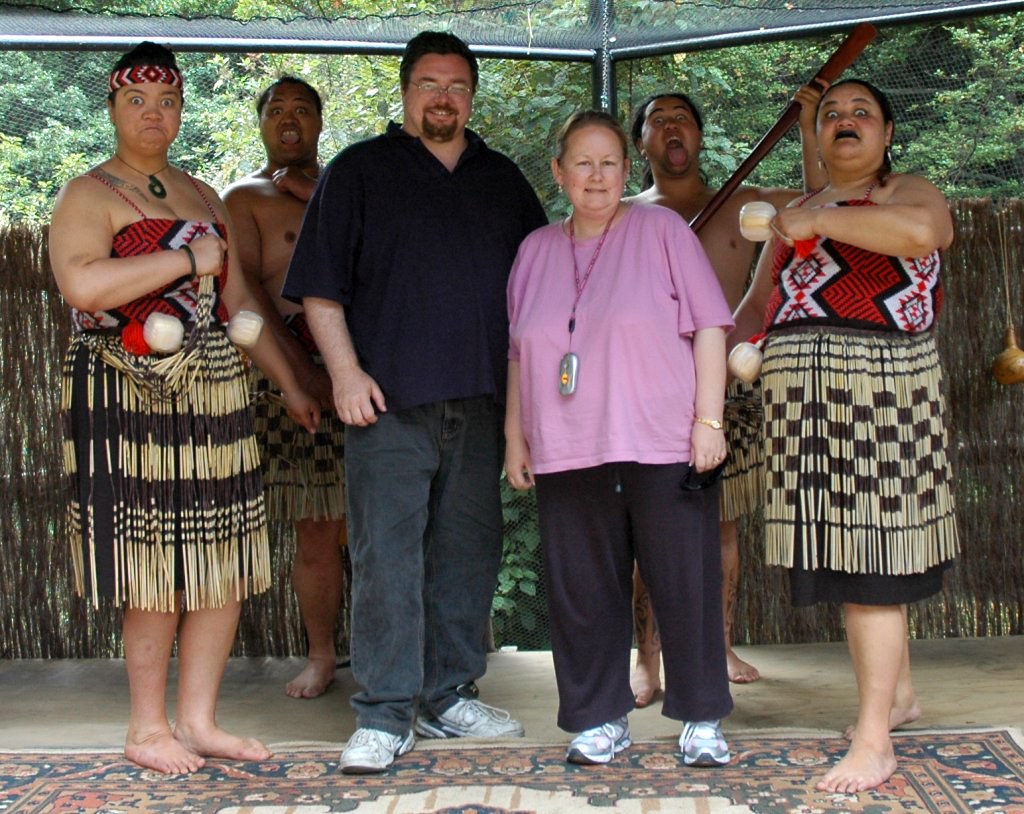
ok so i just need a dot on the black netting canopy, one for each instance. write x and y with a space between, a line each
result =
533 29
600 32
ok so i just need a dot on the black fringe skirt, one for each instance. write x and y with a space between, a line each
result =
165 486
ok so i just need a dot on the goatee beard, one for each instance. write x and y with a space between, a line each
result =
438 132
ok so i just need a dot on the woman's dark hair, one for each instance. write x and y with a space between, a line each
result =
146 53
636 129
585 118
883 104
435 42
289 80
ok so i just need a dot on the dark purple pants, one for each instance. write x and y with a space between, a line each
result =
594 522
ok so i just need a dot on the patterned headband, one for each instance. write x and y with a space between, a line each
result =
146 73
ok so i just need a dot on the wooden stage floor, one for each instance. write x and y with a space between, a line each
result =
808 687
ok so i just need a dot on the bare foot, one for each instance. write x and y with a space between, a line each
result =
862 768
646 678
161 752
739 671
215 742
899 715
315 678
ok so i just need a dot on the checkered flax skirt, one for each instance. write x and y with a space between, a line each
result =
857 475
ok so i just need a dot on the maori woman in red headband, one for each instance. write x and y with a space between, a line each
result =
166 508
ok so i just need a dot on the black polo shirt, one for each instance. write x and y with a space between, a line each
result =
419 257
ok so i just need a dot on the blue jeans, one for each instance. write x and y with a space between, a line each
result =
425 539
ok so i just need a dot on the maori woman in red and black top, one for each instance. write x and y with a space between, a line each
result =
859 499
166 504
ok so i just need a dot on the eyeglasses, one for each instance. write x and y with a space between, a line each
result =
458 91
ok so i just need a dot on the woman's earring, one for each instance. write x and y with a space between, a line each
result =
888 155
559 189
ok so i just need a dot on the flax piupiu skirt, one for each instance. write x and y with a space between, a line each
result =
165 488
859 496
743 475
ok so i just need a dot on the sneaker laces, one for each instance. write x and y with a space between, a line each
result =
467 710
702 731
703 736
613 730
600 744
380 742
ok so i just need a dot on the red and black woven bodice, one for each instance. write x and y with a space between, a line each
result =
148 236
841 285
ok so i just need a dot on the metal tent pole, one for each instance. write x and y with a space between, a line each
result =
602 15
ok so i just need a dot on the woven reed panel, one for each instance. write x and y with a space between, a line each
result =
984 595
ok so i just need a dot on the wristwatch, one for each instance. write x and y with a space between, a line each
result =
714 423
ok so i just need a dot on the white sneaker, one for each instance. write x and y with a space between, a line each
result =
373 750
470 719
703 744
600 744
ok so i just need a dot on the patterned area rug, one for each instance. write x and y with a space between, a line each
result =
941 772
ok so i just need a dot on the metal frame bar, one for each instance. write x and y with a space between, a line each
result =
706 42
602 57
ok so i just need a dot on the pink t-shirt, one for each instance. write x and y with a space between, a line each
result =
651 288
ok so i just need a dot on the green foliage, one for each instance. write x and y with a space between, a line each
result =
519 608
959 119
958 90
51 127
521 106
21 198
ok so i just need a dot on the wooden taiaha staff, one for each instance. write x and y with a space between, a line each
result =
843 57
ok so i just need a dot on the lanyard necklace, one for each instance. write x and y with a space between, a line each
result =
156 188
569 367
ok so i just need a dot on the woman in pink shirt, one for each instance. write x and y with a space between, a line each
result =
616 382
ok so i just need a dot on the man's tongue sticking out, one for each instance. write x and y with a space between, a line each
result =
676 153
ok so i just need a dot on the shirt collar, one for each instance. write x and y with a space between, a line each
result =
474 143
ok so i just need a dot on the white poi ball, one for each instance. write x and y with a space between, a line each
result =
745 362
163 333
244 328
755 221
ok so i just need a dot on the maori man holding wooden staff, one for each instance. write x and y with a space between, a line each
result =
303 474
667 130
